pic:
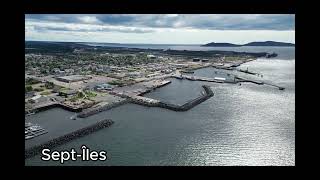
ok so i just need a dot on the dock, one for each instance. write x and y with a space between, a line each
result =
33 130
258 82
248 72
236 80
199 78
241 79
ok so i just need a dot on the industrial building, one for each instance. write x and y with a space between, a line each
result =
151 56
196 59
73 78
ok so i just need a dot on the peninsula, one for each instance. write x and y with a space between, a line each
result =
263 43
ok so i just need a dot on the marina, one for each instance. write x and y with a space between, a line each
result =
33 130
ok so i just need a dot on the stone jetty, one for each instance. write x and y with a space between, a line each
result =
190 104
68 137
91 111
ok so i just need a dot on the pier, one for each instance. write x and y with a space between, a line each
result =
238 79
248 72
258 82
235 81
33 130
230 66
198 78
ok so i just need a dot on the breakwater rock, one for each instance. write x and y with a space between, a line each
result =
68 137
190 104
92 111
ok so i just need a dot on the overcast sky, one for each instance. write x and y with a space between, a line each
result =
160 29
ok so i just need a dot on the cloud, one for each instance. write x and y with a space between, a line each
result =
161 28
200 21
71 27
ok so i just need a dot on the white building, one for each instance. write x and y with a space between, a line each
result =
151 56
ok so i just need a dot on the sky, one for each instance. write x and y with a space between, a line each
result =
160 28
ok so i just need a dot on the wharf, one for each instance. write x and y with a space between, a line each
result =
258 82
198 78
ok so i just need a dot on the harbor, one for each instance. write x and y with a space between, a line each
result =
206 94
130 94
159 89
131 119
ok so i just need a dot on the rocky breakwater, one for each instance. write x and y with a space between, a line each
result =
68 137
190 104
144 101
92 111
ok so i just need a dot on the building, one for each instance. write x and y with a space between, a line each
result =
104 86
38 99
151 56
73 78
103 68
30 94
67 92
167 71
196 59
134 74
153 75
220 78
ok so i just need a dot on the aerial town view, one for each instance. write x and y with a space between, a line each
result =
114 85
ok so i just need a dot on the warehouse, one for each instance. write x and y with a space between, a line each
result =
73 78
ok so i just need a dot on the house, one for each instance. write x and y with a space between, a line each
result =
104 86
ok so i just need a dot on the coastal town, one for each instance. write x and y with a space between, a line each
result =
87 80
159 89
84 78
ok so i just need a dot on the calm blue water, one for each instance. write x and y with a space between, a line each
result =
240 125
283 52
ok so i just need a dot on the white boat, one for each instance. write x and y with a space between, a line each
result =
74 117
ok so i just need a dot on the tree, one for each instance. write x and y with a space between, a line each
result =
28 88
49 85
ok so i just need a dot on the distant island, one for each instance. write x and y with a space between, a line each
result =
264 43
